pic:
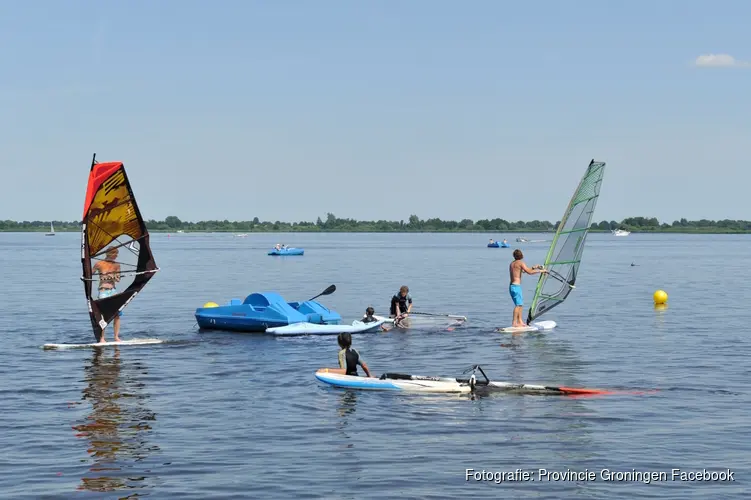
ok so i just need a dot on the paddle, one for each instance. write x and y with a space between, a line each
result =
331 289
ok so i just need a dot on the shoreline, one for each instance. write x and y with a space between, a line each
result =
432 231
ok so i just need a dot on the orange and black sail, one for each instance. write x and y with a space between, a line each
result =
115 252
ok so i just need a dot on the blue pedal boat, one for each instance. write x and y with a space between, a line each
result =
286 251
260 311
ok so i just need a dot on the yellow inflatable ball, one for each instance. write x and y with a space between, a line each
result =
660 297
210 304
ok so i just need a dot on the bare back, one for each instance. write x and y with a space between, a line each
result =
515 272
109 274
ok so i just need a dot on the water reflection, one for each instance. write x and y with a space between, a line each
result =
346 409
118 426
347 403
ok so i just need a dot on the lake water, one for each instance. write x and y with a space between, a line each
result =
223 415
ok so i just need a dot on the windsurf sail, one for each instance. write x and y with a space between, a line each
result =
565 253
115 253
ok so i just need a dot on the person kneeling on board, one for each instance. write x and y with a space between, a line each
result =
349 358
401 305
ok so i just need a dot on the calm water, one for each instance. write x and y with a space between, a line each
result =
222 415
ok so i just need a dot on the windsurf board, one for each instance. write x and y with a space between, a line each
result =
104 344
538 326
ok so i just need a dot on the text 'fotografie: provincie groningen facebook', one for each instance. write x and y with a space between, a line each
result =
607 475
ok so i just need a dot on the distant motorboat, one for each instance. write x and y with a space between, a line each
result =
243 235
52 231
525 240
621 232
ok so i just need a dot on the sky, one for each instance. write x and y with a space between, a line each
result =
377 110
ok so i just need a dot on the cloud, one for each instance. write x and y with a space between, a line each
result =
719 61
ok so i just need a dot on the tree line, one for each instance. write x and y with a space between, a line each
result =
414 224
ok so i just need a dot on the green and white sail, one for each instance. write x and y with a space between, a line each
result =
565 253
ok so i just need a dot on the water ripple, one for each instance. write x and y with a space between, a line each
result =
222 415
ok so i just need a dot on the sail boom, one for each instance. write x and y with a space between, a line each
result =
578 230
132 273
561 262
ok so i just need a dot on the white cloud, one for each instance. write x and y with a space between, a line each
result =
719 60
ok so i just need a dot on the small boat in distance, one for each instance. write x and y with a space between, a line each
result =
285 250
621 232
495 244
525 240
52 231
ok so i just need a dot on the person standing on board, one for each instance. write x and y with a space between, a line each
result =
401 304
515 287
109 276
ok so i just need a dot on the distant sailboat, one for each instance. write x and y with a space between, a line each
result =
52 231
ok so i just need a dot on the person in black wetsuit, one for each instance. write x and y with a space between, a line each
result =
349 358
370 317
401 304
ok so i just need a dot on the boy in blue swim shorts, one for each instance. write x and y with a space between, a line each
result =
516 295
515 287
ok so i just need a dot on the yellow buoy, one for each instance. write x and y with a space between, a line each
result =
660 297
211 304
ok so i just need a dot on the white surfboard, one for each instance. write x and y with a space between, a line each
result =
104 344
313 329
539 326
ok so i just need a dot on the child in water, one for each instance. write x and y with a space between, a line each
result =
349 358
370 318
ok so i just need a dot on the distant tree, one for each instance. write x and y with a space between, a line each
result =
173 222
